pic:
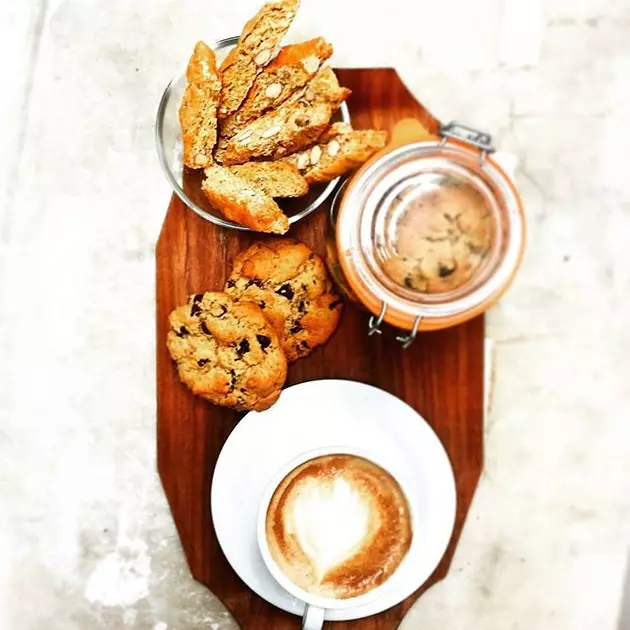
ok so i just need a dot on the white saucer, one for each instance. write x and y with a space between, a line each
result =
330 413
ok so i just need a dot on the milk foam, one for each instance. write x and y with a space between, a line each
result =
338 526
330 519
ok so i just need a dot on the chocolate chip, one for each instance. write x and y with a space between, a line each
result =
304 345
218 310
232 379
286 291
296 328
444 271
243 348
408 282
202 362
262 304
264 341
198 297
302 307
452 218
204 328
182 332
334 305
195 309
231 283
254 281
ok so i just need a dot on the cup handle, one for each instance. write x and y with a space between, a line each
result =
313 618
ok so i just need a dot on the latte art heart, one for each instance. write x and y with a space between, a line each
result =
338 526
330 519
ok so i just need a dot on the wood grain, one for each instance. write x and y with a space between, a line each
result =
441 376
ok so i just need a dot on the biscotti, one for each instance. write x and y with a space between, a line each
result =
292 126
338 151
255 49
288 73
277 179
198 111
237 200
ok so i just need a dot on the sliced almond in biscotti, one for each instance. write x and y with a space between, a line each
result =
273 91
296 124
277 179
288 73
333 148
314 155
243 203
303 161
198 111
340 150
255 49
271 131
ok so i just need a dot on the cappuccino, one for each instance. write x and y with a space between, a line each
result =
338 526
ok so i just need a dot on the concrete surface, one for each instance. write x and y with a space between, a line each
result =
86 539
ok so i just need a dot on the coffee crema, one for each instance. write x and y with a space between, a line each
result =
338 526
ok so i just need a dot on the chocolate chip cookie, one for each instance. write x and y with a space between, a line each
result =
227 352
290 284
442 239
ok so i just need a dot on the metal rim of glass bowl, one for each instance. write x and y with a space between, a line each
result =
159 141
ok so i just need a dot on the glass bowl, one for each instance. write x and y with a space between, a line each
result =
186 182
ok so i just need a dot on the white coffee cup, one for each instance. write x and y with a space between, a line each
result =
315 606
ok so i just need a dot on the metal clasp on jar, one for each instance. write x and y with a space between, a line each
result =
474 137
374 327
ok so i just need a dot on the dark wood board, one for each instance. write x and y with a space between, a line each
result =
441 375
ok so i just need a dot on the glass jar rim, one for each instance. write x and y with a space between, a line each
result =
356 212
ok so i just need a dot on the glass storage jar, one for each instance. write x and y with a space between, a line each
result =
429 233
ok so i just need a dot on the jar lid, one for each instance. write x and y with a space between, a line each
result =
429 233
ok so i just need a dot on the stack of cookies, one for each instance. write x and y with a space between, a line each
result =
233 347
260 125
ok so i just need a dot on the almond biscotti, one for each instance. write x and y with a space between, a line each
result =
288 73
255 49
277 179
292 126
198 111
237 200
338 151
323 88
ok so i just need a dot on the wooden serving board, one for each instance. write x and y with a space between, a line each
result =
440 375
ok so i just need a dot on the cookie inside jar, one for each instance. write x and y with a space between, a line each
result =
433 233
429 234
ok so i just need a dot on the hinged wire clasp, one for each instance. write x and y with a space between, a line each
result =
478 139
374 325
407 340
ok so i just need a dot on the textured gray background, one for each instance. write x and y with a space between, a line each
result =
86 539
